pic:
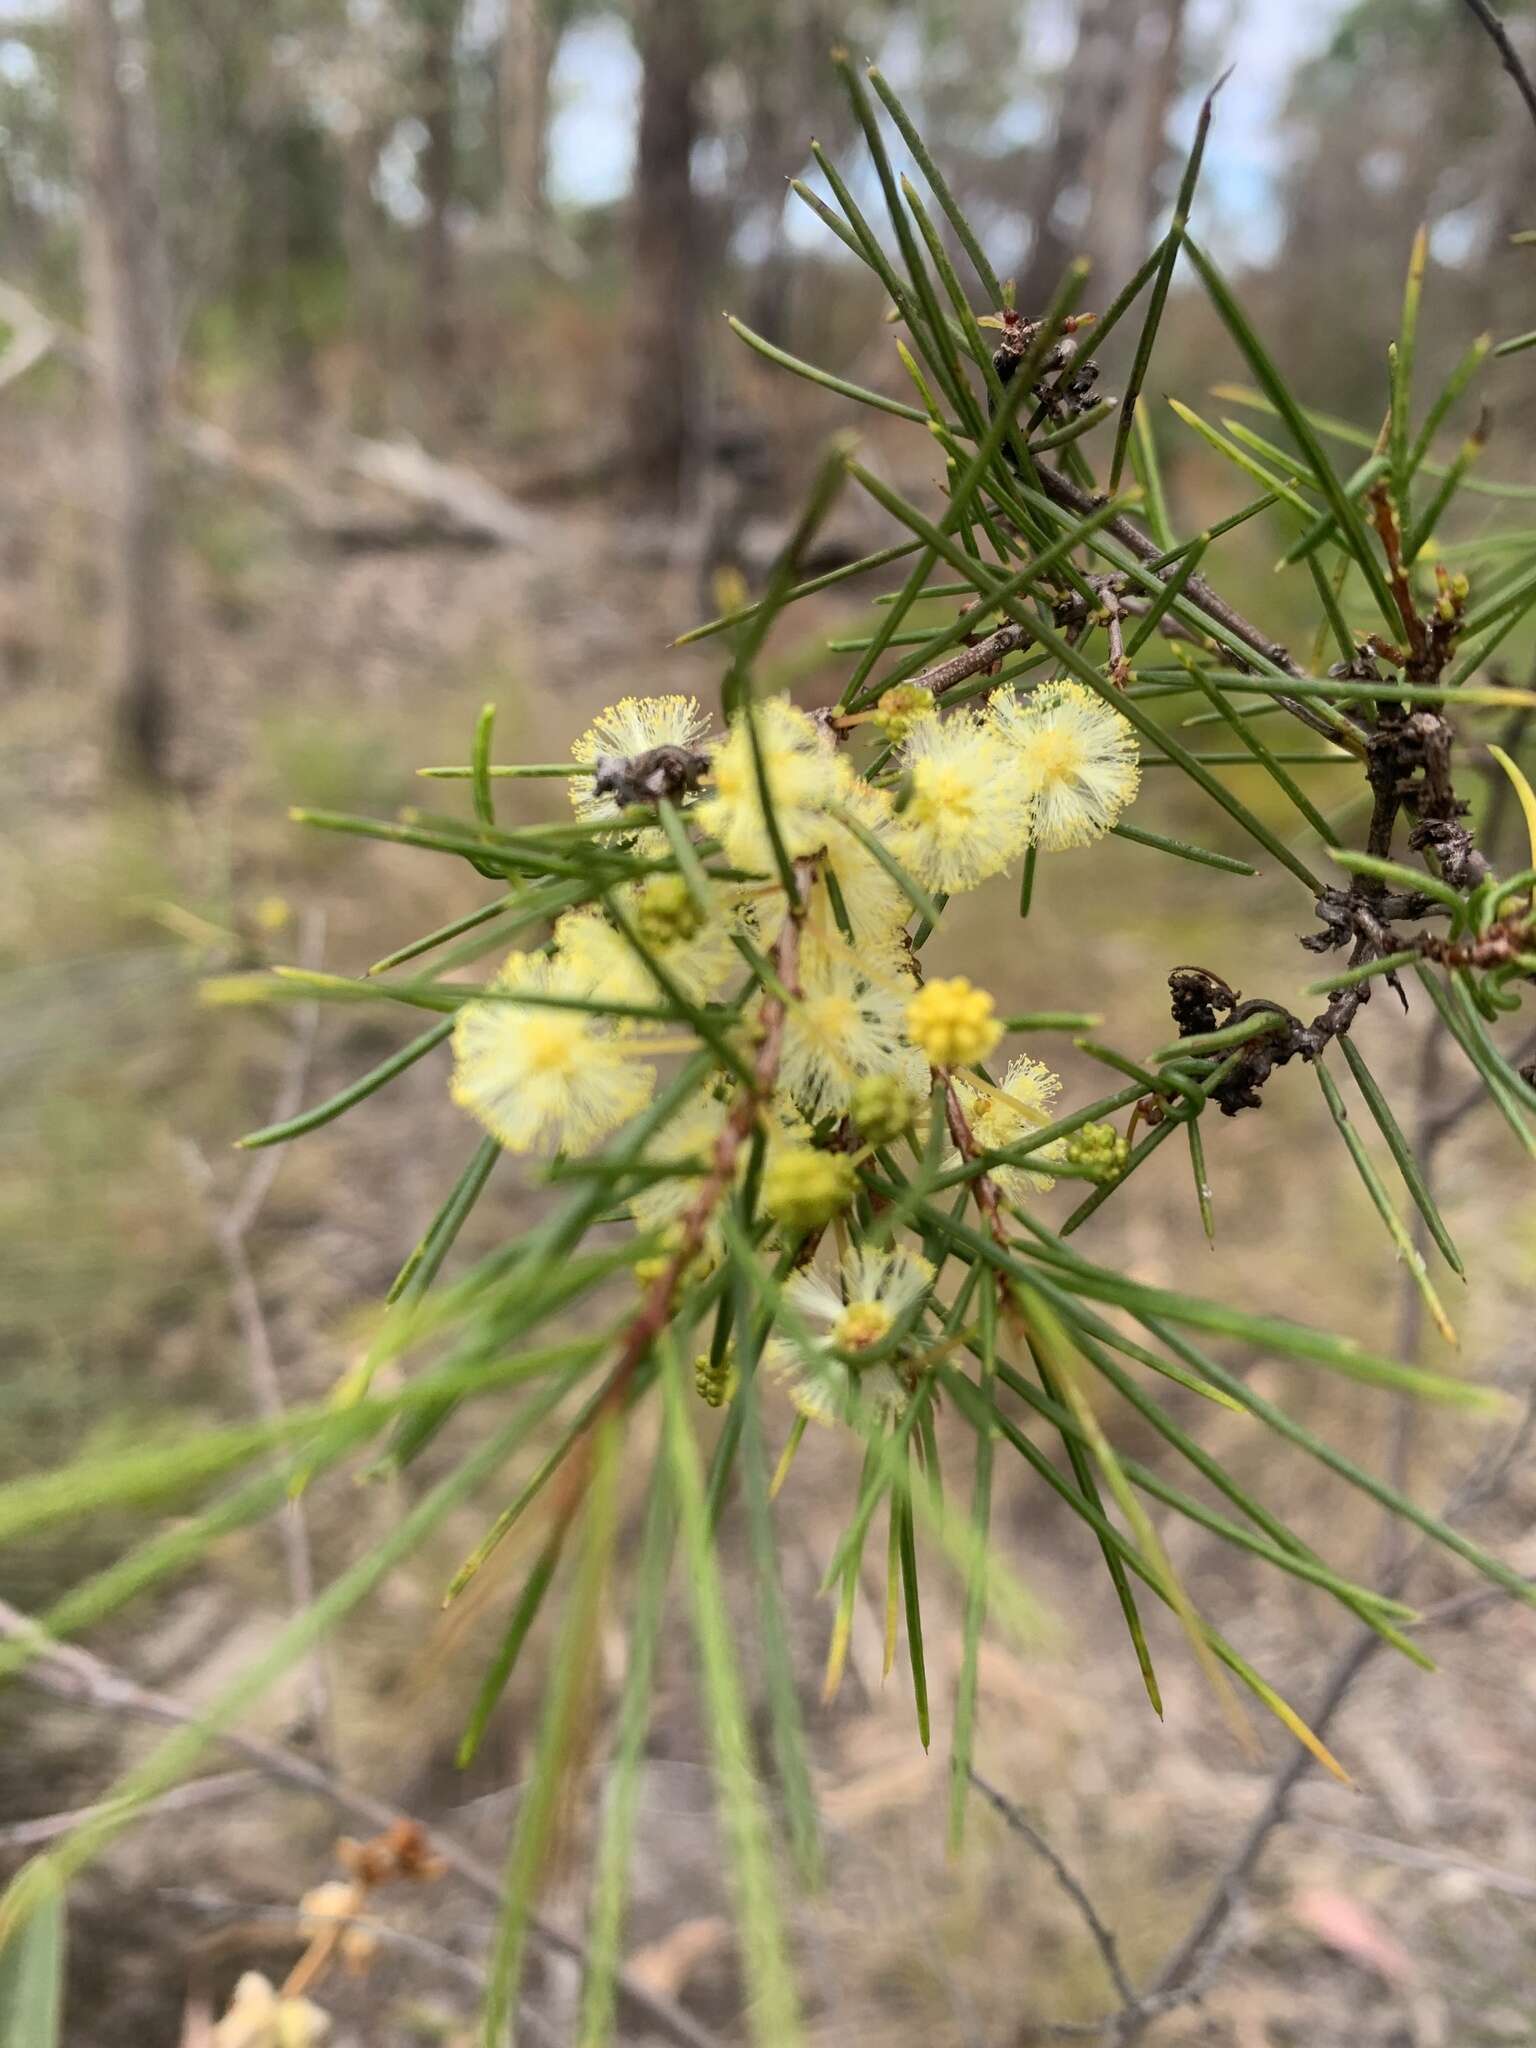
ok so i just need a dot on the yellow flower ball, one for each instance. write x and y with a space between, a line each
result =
953 1023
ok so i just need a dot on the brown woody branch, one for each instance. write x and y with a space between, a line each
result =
655 1309
1197 591
1509 57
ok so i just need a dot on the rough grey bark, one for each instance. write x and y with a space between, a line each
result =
128 302
1092 91
1129 153
528 40
663 345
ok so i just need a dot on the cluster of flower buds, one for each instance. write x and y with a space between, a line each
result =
1097 1150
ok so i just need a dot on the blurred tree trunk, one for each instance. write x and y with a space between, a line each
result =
366 394
128 301
1128 153
1089 97
436 108
528 41
780 51
663 345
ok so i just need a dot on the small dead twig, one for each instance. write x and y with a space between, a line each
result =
1187 1961
1103 1937
1137 2009
1466 1606
47 1827
280 1926
1190 1961
1196 591
1414 1856
1509 56
231 1224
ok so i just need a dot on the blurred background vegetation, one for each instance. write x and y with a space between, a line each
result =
362 362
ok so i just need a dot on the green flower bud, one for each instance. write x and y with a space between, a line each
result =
804 1188
714 1384
665 912
901 708
882 1107
1099 1150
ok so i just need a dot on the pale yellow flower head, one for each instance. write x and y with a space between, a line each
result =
874 904
697 954
1078 757
952 1023
968 813
1006 1115
546 1077
632 726
873 1291
844 1026
804 774
688 1141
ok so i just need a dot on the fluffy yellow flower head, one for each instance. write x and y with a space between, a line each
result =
632 726
544 1076
688 1142
697 954
1078 756
844 1026
804 774
874 904
875 1288
953 1023
1006 1115
969 810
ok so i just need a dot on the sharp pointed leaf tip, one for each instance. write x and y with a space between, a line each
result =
1523 790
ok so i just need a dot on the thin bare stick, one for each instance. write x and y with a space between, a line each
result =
1484 1480
1466 1606
1509 57
1103 1937
1196 590
1415 1857
972 661
232 1224
1229 1888
280 1925
31 1834
67 1672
